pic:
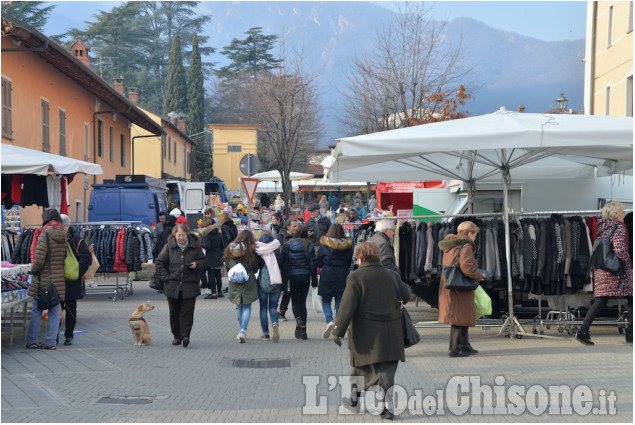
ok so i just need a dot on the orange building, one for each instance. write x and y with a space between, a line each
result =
53 102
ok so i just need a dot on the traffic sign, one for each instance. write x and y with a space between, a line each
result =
249 164
250 186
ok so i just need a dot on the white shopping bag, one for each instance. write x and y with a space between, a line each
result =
316 300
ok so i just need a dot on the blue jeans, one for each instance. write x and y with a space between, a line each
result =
326 306
243 313
268 302
36 320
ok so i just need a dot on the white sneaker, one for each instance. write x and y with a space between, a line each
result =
241 337
276 335
328 330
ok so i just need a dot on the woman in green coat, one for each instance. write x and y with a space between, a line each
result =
243 251
370 310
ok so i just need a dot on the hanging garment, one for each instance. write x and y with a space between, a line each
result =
54 190
34 191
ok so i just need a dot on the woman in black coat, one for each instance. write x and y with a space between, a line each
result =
228 228
334 257
214 246
179 266
75 289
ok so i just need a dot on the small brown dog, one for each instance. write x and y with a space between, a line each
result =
138 325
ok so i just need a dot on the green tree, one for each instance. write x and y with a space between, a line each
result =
32 13
116 40
250 55
196 114
175 98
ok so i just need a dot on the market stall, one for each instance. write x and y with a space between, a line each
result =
490 148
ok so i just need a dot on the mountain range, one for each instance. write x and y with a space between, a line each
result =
507 69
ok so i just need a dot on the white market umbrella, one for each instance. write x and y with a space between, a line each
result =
275 175
19 160
502 144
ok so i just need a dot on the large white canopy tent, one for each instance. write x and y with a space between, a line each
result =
488 147
19 160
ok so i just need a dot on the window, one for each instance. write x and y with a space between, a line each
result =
607 106
169 148
174 151
100 138
610 28
112 142
630 18
234 148
163 145
62 130
629 95
122 144
79 211
184 160
86 142
46 126
7 122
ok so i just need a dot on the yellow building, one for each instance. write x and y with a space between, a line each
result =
231 142
168 156
608 86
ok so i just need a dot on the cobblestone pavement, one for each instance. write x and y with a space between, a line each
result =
102 377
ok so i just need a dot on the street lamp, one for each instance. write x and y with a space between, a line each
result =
561 102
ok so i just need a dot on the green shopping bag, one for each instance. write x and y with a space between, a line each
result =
482 302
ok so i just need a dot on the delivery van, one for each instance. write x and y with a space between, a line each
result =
128 198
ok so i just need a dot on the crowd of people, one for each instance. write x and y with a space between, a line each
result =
356 283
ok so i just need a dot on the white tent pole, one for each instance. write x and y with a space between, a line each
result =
510 295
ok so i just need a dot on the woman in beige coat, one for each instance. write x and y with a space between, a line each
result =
456 308
48 266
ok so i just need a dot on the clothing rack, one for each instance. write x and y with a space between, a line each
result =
512 327
116 290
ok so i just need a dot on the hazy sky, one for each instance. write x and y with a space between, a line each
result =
544 20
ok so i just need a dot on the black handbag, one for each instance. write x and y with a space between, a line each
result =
156 282
410 333
47 298
603 257
454 277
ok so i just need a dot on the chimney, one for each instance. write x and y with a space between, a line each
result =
521 108
80 51
118 83
133 95
180 124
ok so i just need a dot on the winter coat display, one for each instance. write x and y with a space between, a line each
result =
120 252
334 257
172 266
246 292
229 231
75 289
457 307
606 284
214 246
370 311
40 270
319 226
386 250
299 259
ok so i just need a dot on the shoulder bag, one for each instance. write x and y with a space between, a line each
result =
47 298
454 277
603 257
410 333
71 265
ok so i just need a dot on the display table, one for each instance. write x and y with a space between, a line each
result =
12 317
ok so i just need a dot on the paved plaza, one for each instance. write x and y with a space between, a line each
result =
102 377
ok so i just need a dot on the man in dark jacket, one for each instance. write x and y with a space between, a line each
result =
75 289
317 225
170 221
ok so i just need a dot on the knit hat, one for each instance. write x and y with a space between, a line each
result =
265 238
313 207
51 214
163 212
175 212
181 220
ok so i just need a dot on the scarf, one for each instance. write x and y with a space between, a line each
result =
187 242
267 252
